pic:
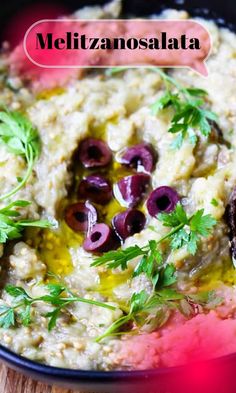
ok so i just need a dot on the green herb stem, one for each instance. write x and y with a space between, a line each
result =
30 164
21 139
170 233
168 78
112 330
55 299
83 300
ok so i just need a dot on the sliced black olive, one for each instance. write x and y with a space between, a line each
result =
131 189
128 223
94 153
230 217
162 199
81 216
96 188
140 156
101 239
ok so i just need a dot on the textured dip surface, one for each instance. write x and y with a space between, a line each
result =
116 108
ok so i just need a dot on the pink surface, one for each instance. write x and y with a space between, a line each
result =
130 30
46 68
181 342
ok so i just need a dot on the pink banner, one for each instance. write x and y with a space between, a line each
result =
68 43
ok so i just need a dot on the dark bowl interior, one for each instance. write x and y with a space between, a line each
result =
224 11
164 380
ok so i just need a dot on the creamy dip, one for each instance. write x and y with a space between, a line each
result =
116 108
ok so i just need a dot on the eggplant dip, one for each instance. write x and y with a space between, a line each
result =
118 213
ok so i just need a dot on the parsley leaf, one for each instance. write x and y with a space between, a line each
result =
187 231
120 257
25 315
195 92
201 224
190 113
189 106
17 292
138 302
154 308
21 138
191 116
166 100
177 217
167 276
59 297
7 317
11 227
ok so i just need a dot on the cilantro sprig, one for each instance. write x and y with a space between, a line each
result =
20 138
11 227
59 298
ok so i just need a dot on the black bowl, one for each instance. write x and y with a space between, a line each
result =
215 376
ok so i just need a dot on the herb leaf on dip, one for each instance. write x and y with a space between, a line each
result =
59 297
21 138
184 231
11 226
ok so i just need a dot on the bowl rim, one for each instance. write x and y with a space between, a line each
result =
24 364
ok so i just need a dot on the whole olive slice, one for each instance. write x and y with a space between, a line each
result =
141 156
94 153
95 188
128 223
80 216
131 189
162 199
101 239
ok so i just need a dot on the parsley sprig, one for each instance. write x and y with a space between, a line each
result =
188 103
154 308
11 227
184 232
59 297
190 113
140 306
21 138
